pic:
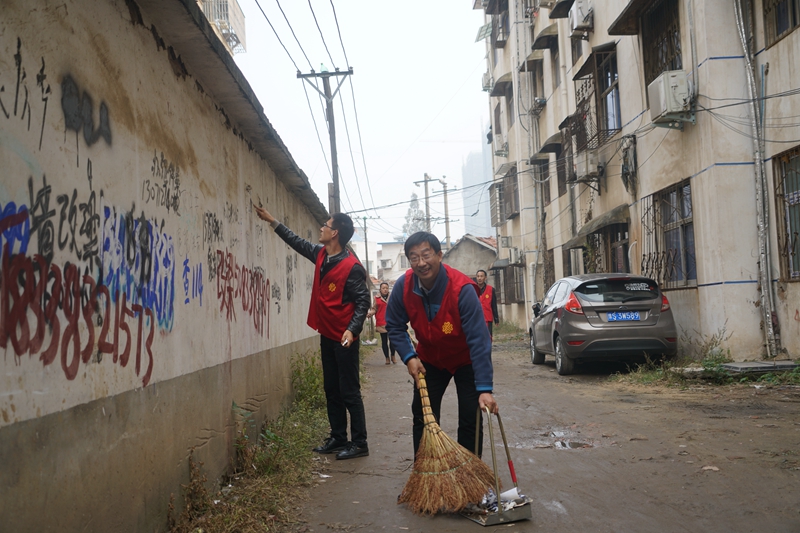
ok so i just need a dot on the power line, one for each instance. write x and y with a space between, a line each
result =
339 31
293 34
277 36
333 64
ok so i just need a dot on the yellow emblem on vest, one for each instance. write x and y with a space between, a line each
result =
486 296
447 328
332 287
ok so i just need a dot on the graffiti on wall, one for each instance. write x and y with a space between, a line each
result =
40 299
139 263
192 282
164 189
243 288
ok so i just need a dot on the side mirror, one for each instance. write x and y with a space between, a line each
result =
536 309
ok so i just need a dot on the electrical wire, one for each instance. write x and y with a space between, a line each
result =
278 37
333 63
293 34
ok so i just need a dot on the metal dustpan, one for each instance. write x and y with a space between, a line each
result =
510 506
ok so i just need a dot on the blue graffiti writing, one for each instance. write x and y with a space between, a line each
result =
138 261
15 228
192 281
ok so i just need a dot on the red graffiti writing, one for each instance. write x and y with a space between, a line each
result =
247 285
31 294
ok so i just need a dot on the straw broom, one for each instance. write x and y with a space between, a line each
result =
446 477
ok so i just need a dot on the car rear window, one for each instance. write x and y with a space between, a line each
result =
618 290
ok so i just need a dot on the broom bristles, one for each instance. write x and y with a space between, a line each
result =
446 477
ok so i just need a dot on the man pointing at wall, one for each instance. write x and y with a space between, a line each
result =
339 304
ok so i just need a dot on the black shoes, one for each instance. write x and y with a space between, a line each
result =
352 451
331 445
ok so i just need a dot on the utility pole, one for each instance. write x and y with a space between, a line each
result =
334 206
446 215
366 249
427 201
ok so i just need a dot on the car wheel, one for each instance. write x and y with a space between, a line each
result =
537 357
564 365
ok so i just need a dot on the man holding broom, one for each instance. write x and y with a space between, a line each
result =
339 304
445 313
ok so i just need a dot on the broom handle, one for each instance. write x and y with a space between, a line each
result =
427 412
494 463
508 454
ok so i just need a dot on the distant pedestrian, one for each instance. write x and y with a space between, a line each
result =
339 306
488 300
379 311
444 310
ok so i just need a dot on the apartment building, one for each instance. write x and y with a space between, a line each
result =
657 137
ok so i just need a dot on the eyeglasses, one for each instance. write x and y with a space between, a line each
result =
425 256
326 225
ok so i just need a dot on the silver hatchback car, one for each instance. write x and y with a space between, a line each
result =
602 317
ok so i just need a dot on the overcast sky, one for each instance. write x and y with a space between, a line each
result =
417 84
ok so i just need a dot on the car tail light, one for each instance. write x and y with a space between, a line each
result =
671 339
575 343
664 303
573 305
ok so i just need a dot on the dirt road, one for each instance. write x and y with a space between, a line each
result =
594 455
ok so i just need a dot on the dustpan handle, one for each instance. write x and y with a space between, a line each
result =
508 454
505 441
494 461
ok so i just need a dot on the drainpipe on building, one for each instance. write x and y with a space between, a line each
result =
769 317
520 19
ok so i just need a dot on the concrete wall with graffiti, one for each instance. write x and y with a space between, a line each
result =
140 298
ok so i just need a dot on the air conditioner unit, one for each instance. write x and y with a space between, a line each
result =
586 164
505 242
488 81
515 256
670 98
500 145
581 18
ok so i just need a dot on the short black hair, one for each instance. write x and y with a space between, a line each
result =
382 284
422 237
484 272
344 225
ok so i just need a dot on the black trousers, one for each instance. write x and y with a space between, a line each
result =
340 374
386 345
437 381
489 325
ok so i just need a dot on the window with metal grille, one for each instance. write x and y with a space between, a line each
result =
541 173
510 194
668 250
496 204
786 169
561 171
781 17
514 284
555 63
509 95
597 114
577 50
661 39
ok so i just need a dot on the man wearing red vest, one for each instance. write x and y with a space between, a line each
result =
444 310
488 300
339 304
379 312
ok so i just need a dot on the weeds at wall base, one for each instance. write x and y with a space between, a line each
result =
273 468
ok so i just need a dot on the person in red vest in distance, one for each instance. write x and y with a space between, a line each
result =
379 312
488 300
444 310
339 305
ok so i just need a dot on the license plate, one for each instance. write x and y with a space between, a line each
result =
620 317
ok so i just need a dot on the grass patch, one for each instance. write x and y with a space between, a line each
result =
273 466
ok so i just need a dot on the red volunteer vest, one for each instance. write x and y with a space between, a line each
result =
327 314
442 342
486 302
380 312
